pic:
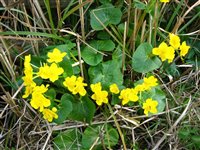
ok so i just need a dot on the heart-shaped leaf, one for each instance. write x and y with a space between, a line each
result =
143 61
105 14
93 57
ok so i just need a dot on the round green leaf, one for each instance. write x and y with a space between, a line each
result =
105 14
107 133
67 140
91 56
143 61
107 73
83 110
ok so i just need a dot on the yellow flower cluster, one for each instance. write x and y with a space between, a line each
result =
99 96
131 94
147 84
150 106
75 85
28 78
51 72
166 52
38 100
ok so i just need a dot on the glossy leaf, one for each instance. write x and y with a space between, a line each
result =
105 14
83 110
93 57
107 73
143 61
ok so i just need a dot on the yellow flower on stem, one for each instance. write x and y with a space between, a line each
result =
184 48
128 94
99 96
75 85
164 1
51 72
150 82
174 40
114 88
49 114
164 52
28 90
79 88
55 56
96 87
28 78
150 106
38 100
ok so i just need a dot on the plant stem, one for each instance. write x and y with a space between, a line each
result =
118 127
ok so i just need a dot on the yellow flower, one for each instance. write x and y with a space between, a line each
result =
164 52
55 56
75 85
38 100
28 78
49 114
150 106
50 72
174 40
140 88
164 1
70 82
79 88
41 89
96 87
28 90
150 82
184 49
114 88
127 95
100 97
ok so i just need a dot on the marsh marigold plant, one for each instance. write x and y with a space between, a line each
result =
51 74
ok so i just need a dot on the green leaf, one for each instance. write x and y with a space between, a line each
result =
51 94
91 56
143 61
105 14
139 4
67 140
83 110
67 67
117 55
103 35
107 73
96 134
196 139
65 108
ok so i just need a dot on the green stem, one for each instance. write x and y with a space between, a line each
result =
118 127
